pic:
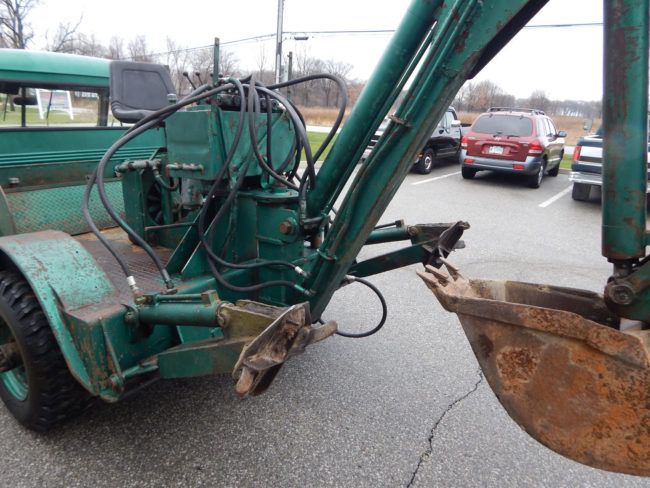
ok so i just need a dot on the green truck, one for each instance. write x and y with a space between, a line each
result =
49 149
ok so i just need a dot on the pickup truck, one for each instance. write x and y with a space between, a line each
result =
443 143
586 165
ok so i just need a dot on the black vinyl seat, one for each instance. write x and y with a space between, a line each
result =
138 89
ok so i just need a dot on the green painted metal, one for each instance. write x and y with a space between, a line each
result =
15 379
42 146
212 356
625 123
63 276
30 68
59 207
197 310
203 133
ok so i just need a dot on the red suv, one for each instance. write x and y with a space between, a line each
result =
513 140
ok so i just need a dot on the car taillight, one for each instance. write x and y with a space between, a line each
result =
518 166
468 161
576 154
535 148
463 142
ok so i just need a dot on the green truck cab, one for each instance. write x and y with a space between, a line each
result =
55 125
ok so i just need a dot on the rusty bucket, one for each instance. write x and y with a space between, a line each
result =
559 365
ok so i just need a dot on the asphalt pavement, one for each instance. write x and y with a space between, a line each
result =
405 407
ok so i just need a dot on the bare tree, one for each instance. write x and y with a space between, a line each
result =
539 100
64 38
340 69
14 28
177 60
228 63
202 61
305 65
262 59
138 50
115 48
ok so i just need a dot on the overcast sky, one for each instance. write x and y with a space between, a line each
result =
564 62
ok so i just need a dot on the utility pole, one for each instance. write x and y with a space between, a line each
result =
278 44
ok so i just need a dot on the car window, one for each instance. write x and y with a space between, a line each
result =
52 107
449 118
552 127
511 125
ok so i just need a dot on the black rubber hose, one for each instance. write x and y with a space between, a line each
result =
301 131
253 113
210 196
91 223
384 312
344 100
98 177
215 272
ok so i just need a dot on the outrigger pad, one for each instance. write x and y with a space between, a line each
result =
558 364
288 335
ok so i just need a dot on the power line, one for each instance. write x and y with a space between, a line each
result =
307 34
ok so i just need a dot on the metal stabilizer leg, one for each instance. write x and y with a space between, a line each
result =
558 364
288 335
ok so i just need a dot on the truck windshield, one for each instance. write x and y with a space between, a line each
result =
508 125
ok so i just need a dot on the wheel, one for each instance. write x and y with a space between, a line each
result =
580 192
468 173
556 169
426 162
39 391
534 181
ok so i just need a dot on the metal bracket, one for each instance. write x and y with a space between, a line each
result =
287 336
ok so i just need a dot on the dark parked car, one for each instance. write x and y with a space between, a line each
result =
444 142
513 140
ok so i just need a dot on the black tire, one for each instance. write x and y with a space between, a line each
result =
468 173
580 192
556 170
426 163
534 181
40 392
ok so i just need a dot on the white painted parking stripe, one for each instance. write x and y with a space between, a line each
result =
436 178
555 198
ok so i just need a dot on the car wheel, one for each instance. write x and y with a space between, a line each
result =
556 169
468 173
580 192
426 162
37 386
535 180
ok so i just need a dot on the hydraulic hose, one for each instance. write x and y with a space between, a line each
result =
98 177
384 311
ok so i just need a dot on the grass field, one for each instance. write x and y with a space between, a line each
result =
81 116
566 161
315 141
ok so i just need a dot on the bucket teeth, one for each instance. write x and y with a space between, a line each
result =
453 270
442 277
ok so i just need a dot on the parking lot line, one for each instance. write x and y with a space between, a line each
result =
436 178
555 197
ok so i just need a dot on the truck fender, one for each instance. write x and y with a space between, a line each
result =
63 276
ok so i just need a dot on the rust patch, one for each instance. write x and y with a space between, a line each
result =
515 366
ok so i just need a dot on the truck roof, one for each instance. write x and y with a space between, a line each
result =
19 67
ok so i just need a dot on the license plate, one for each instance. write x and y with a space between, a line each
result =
495 150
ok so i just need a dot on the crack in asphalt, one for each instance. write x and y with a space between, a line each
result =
426 454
